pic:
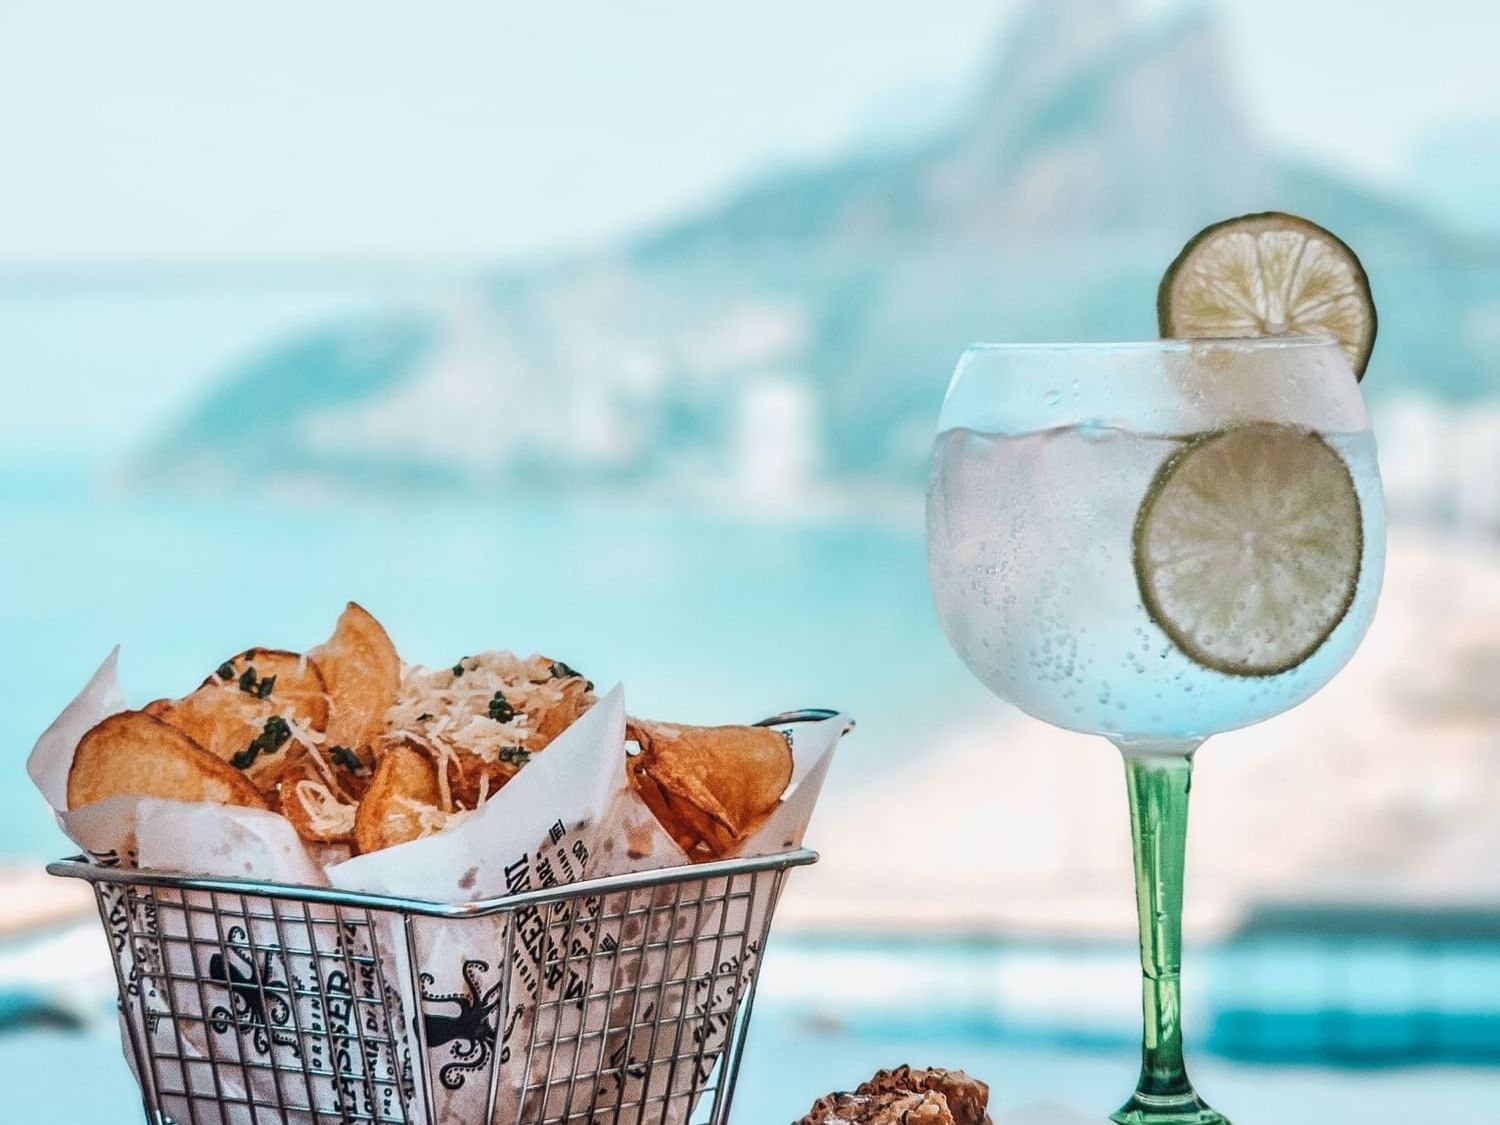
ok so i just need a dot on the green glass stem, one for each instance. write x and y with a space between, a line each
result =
1158 778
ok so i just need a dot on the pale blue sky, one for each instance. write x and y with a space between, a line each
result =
476 130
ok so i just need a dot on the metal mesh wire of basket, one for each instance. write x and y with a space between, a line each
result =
614 1000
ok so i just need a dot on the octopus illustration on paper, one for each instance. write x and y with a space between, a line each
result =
257 1000
469 1032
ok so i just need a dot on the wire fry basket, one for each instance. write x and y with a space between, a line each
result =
253 1002
606 1001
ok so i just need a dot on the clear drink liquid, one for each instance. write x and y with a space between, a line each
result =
1030 559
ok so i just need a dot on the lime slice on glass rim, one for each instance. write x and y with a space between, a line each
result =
1248 544
1248 547
1269 274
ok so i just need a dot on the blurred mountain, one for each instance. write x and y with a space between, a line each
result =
1070 134
793 342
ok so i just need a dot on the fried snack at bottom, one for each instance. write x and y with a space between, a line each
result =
363 673
402 794
898 1108
138 754
709 787
968 1098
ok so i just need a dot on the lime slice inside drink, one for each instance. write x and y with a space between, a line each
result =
1270 274
1248 545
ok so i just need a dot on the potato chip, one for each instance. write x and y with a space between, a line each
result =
402 801
363 675
239 714
136 753
550 720
221 720
288 678
472 780
709 787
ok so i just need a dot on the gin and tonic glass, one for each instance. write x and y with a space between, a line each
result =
1155 542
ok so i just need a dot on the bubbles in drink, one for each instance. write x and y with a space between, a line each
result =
1031 562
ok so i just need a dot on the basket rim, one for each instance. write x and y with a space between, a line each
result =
79 867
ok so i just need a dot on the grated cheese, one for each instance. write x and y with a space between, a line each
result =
312 742
448 715
431 819
326 813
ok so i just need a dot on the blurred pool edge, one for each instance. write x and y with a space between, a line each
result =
1282 999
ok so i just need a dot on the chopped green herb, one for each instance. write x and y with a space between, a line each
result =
247 680
458 669
272 737
516 756
265 686
225 671
347 758
500 709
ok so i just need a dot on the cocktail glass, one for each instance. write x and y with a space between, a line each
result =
1155 542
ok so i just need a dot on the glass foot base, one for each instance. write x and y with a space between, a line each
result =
1144 1109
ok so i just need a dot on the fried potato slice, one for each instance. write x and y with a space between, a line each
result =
321 799
238 707
137 753
550 720
220 719
295 681
391 812
709 787
472 780
360 667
